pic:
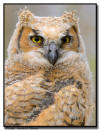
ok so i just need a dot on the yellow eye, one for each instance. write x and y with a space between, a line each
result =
67 39
37 39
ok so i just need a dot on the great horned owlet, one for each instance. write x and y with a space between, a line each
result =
47 77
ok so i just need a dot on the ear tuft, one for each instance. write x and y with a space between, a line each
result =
70 17
25 16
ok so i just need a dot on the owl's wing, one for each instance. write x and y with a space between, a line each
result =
69 109
23 101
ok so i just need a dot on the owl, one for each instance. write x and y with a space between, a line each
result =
47 76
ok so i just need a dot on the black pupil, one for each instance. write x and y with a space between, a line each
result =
64 39
36 39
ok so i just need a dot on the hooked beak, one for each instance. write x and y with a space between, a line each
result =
52 54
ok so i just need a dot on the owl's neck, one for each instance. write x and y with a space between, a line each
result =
16 71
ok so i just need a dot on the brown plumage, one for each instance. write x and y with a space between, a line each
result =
47 77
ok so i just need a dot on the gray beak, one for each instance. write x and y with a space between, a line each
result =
52 53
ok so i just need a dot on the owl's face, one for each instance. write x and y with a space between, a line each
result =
47 39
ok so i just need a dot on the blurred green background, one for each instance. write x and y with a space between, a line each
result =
87 15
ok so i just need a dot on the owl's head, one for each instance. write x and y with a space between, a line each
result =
45 40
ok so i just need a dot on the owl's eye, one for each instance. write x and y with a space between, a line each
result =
37 39
67 39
